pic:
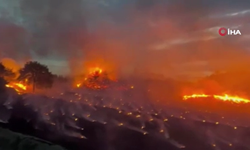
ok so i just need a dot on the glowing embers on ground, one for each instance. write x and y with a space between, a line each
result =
19 87
225 97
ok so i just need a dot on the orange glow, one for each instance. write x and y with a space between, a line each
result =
19 87
95 70
235 99
12 65
185 97
78 85
225 97
92 74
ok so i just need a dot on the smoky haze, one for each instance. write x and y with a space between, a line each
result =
171 38
148 38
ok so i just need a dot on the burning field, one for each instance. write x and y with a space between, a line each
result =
95 108
98 106
112 75
233 99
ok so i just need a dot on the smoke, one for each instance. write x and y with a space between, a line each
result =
146 38
13 41
141 37
11 64
152 39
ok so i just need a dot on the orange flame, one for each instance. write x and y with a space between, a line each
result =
95 70
185 97
78 85
225 97
19 87
92 72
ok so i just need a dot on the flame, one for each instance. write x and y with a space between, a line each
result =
185 97
98 79
95 70
19 87
78 85
225 97
235 99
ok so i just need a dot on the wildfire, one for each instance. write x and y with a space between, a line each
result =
225 97
19 87
185 97
78 85
95 70
92 79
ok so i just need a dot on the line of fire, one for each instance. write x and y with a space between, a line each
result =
211 99
32 76
35 77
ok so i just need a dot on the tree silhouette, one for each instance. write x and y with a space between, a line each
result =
5 73
3 82
2 69
37 75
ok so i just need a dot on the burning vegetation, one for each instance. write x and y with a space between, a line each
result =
27 79
99 79
225 97
230 86
131 110
19 87
150 40
96 78
36 77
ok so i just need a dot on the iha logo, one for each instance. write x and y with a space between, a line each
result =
227 31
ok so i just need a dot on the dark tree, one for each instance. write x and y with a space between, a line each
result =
36 74
2 69
3 82
5 73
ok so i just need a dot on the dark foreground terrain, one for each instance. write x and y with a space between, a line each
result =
10 140
194 135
